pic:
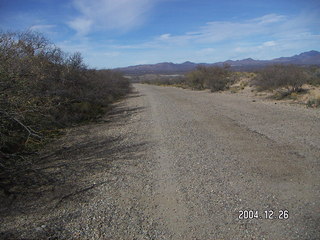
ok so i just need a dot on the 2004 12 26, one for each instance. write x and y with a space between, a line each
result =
266 214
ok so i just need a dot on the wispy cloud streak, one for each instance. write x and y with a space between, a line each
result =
120 15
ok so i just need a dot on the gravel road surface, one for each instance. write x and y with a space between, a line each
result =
180 164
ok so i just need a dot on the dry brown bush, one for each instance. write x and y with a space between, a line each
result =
43 89
214 78
291 77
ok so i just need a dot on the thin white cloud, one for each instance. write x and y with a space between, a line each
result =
109 14
42 27
47 29
111 54
269 28
165 36
252 48
221 31
205 52
270 18
265 37
217 32
269 44
81 25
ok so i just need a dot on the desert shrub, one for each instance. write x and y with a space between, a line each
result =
196 78
169 81
43 89
290 77
218 78
156 79
314 102
145 81
314 75
214 78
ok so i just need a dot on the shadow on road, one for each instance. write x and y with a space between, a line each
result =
68 172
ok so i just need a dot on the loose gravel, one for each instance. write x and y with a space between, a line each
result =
169 163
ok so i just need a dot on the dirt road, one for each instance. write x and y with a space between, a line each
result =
182 164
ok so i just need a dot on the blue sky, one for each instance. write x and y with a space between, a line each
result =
117 33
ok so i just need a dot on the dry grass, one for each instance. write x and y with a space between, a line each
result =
309 95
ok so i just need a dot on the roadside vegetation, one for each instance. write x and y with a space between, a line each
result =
290 82
286 79
42 91
213 78
160 80
279 82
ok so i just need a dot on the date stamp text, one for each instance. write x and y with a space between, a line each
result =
265 214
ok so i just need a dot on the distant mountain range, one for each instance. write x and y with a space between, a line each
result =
306 58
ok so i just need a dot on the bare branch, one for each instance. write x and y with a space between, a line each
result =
30 131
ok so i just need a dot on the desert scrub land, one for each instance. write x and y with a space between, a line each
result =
281 83
289 82
44 90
